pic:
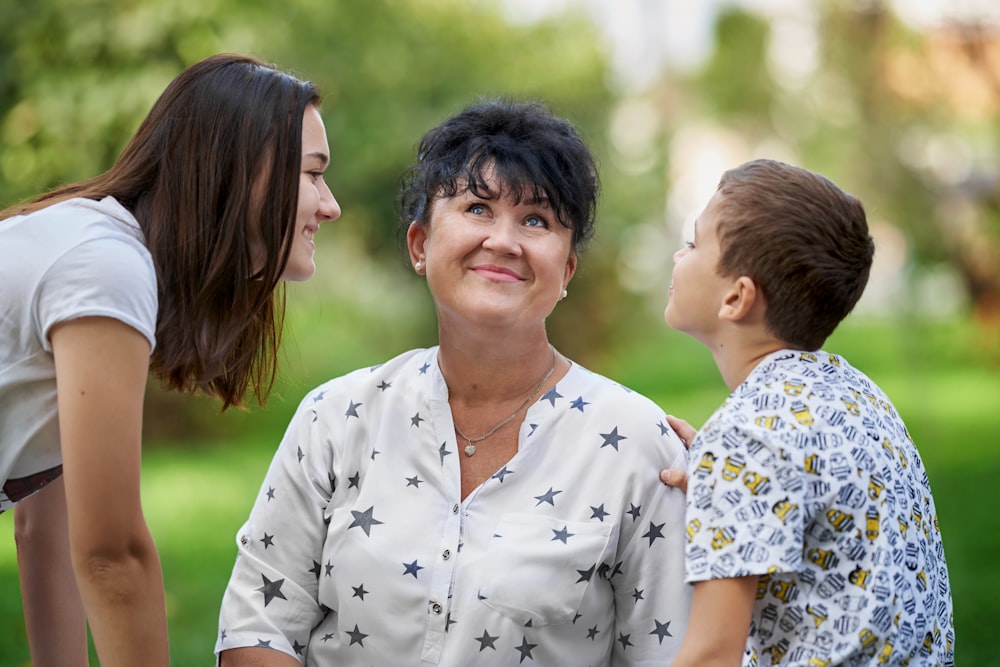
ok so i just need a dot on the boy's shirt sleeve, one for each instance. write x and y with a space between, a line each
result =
745 504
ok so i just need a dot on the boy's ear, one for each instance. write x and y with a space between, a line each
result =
740 300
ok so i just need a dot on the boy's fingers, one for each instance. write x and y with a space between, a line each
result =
676 479
682 429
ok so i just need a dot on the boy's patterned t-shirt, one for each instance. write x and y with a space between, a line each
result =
807 476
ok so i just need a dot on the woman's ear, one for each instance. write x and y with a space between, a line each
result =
570 269
739 301
416 237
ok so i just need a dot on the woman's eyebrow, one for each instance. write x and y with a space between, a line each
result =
320 155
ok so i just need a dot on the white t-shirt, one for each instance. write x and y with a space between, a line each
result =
807 476
73 259
360 550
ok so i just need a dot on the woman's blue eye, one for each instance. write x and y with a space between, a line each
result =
477 209
535 221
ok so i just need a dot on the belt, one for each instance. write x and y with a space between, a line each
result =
22 487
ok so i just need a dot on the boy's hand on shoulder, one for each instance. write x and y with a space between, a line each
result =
685 431
674 477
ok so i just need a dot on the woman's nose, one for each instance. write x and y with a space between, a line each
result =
329 208
503 236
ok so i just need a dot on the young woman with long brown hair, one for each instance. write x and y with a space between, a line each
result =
170 262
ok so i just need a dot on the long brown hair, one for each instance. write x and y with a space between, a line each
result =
215 164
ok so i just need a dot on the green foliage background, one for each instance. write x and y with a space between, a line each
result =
77 76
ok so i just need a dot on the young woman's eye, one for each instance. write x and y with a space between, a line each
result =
316 175
689 245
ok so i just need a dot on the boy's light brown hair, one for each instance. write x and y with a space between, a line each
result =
801 239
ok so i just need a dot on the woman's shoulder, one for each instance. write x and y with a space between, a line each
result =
78 221
399 371
582 379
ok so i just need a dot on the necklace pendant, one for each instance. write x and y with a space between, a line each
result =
470 449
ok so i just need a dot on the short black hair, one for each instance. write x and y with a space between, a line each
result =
533 153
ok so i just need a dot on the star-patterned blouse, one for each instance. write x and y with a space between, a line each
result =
360 551
807 476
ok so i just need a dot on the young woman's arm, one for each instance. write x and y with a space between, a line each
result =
53 613
101 369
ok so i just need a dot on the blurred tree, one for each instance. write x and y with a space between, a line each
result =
929 141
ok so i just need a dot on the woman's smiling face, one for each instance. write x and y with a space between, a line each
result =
493 259
316 202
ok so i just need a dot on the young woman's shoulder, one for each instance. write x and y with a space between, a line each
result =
92 262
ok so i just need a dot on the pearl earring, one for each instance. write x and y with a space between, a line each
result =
418 266
565 294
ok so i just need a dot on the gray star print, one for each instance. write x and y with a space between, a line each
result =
547 497
357 637
655 530
662 630
525 649
271 590
561 535
364 520
487 641
612 439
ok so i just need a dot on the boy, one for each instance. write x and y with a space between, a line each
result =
812 533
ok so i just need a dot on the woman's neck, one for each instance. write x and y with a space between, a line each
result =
491 371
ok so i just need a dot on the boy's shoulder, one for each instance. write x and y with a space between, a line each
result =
805 397
801 377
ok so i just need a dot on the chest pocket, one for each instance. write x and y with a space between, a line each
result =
538 568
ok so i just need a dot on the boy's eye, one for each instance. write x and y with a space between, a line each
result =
477 209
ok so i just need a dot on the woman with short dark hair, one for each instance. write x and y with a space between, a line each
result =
485 501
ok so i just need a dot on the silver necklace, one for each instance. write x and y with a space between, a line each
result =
470 448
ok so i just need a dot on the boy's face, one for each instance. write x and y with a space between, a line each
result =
697 290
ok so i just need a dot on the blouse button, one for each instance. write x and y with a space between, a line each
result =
436 607
243 540
446 554
454 509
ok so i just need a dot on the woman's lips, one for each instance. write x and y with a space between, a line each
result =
497 273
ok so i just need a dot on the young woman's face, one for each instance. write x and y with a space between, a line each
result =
316 203
492 261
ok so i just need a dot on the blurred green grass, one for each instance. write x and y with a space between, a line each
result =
196 494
